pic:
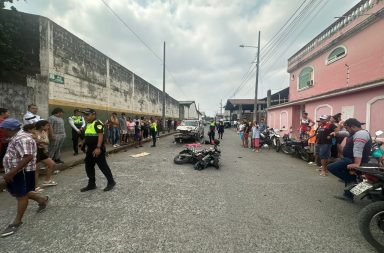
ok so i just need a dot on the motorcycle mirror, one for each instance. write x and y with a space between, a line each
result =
378 133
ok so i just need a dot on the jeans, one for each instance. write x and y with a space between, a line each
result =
339 169
114 135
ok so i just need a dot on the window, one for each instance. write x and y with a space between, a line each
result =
306 78
336 54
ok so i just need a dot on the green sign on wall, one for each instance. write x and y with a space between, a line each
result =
56 78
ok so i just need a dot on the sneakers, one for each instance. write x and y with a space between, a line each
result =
42 206
110 186
116 146
11 229
49 183
88 188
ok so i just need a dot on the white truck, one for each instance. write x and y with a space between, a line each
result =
191 129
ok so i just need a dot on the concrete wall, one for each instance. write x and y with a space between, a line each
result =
189 111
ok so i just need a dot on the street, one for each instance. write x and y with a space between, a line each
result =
255 202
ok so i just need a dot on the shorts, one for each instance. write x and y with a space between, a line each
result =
137 137
123 131
22 183
245 136
256 142
41 155
131 133
324 151
241 135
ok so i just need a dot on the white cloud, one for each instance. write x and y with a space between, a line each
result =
202 38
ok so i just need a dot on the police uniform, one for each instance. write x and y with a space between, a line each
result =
77 123
91 133
153 127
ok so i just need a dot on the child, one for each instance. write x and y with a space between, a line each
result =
256 137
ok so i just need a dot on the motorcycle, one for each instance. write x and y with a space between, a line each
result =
211 158
300 148
189 155
270 137
371 217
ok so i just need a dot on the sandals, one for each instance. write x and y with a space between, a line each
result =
43 206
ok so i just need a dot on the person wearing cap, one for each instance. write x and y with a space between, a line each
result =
77 122
355 152
57 134
31 116
95 151
20 165
324 142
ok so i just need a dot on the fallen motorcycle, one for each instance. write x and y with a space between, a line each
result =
211 158
189 155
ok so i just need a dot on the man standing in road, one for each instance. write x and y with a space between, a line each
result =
95 151
30 116
356 151
77 123
153 127
20 165
324 142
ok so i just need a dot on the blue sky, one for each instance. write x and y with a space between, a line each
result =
204 60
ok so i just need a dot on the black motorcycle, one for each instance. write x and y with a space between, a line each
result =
211 158
371 217
189 155
297 148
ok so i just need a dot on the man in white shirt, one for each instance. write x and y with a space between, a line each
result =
77 122
30 116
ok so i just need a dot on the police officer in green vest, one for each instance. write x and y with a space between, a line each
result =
77 123
153 128
95 151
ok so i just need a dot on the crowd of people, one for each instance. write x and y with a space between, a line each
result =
26 146
250 132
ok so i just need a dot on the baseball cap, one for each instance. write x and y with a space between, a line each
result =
323 117
353 122
89 111
10 123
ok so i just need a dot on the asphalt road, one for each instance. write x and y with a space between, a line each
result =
256 202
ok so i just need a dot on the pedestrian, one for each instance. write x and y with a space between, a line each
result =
57 134
3 139
160 126
77 122
324 142
95 151
114 129
123 129
137 134
169 125
153 128
41 137
211 133
246 134
262 126
220 129
255 137
131 130
31 116
20 164
305 122
356 151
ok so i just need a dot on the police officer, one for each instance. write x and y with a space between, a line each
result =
77 123
95 151
153 128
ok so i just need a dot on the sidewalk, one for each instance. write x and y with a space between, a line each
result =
70 160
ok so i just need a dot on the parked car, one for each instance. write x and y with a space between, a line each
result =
189 129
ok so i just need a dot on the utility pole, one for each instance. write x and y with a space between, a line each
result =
163 121
257 79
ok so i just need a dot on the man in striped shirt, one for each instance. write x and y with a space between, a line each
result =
20 164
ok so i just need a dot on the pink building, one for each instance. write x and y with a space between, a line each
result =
340 70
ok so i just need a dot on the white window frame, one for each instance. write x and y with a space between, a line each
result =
327 62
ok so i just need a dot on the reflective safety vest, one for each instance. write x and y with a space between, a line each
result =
213 124
154 126
90 129
77 120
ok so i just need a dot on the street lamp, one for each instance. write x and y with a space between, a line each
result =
257 76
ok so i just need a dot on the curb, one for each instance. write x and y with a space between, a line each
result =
78 161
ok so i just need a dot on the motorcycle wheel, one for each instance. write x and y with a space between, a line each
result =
285 149
277 144
182 159
371 224
198 166
305 156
